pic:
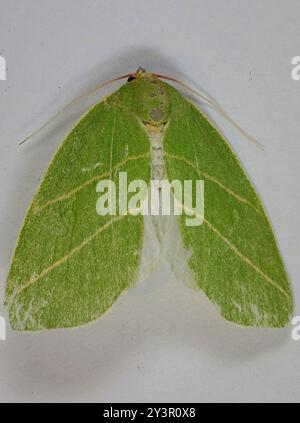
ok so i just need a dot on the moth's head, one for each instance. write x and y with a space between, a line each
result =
142 75
152 103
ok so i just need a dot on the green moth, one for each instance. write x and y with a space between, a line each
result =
70 264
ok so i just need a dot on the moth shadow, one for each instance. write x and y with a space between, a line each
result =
33 157
87 80
86 363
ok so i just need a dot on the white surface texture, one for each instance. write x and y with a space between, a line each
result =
161 341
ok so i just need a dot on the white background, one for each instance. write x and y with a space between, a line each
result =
161 341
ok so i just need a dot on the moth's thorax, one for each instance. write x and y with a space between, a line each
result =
151 99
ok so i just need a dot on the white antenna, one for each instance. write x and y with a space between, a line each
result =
215 106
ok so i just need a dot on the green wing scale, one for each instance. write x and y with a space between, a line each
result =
70 264
235 259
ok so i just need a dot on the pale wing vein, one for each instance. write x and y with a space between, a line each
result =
214 180
70 254
69 194
112 149
246 259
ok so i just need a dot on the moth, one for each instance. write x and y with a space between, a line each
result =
70 264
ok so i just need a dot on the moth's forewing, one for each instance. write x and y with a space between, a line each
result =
235 259
70 264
